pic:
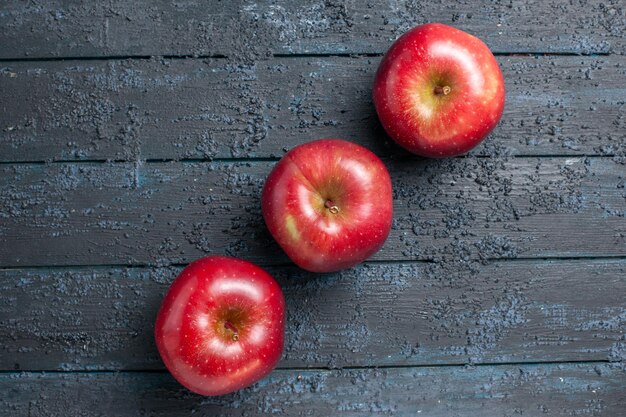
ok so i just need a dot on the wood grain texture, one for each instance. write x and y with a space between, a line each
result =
42 28
372 315
148 148
453 210
170 109
564 390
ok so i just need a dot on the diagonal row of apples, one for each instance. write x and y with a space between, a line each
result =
328 203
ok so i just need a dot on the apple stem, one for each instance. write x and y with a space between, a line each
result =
233 329
331 207
445 90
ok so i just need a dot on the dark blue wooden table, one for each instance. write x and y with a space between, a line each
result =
135 137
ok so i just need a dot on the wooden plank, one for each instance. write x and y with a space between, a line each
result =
528 390
372 315
247 29
162 109
164 213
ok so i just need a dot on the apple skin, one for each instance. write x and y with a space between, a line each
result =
221 325
438 91
328 203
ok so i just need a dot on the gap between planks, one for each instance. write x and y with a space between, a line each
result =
328 369
291 265
294 56
272 159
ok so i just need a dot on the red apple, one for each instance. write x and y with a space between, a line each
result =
328 204
438 91
221 325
